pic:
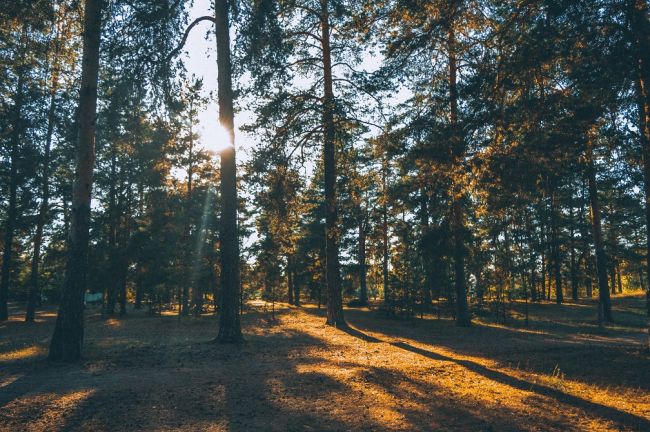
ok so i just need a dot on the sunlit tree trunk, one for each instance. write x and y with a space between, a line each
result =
67 339
229 318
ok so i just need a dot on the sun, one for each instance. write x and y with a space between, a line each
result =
216 139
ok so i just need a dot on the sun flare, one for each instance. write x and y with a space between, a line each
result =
216 139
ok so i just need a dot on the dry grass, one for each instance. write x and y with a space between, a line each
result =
294 374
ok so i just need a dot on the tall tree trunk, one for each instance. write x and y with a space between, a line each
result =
388 301
572 253
34 291
333 272
10 223
296 288
619 278
229 318
289 281
113 214
604 302
463 318
555 249
638 17
363 269
67 339
426 254
190 279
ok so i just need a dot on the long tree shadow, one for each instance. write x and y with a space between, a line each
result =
608 413
621 418
585 360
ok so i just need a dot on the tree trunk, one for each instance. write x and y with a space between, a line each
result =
190 275
555 250
572 252
289 282
67 339
604 302
113 214
10 224
333 272
638 17
388 304
426 254
229 318
34 291
363 269
457 213
296 288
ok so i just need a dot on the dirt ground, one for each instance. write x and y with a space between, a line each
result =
297 374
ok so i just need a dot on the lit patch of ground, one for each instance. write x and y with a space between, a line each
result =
296 373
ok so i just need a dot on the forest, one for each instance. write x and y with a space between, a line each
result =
403 215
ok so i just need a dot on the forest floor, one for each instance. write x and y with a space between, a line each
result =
294 373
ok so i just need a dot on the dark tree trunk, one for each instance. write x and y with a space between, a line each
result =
604 303
34 291
463 318
612 275
638 17
229 318
555 250
590 281
388 303
619 281
289 282
190 274
333 272
426 254
572 253
113 280
10 224
363 269
296 288
67 339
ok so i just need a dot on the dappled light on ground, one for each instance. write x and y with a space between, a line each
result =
296 373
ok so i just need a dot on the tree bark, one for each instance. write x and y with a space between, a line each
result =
426 254
604 303
229 318
34 291
67 339
333 272
10 223
363 268
388 303
555 249
572 253
640 26
463 318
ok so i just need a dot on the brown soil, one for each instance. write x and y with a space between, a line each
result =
296 374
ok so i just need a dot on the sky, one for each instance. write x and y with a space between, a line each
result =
201 60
